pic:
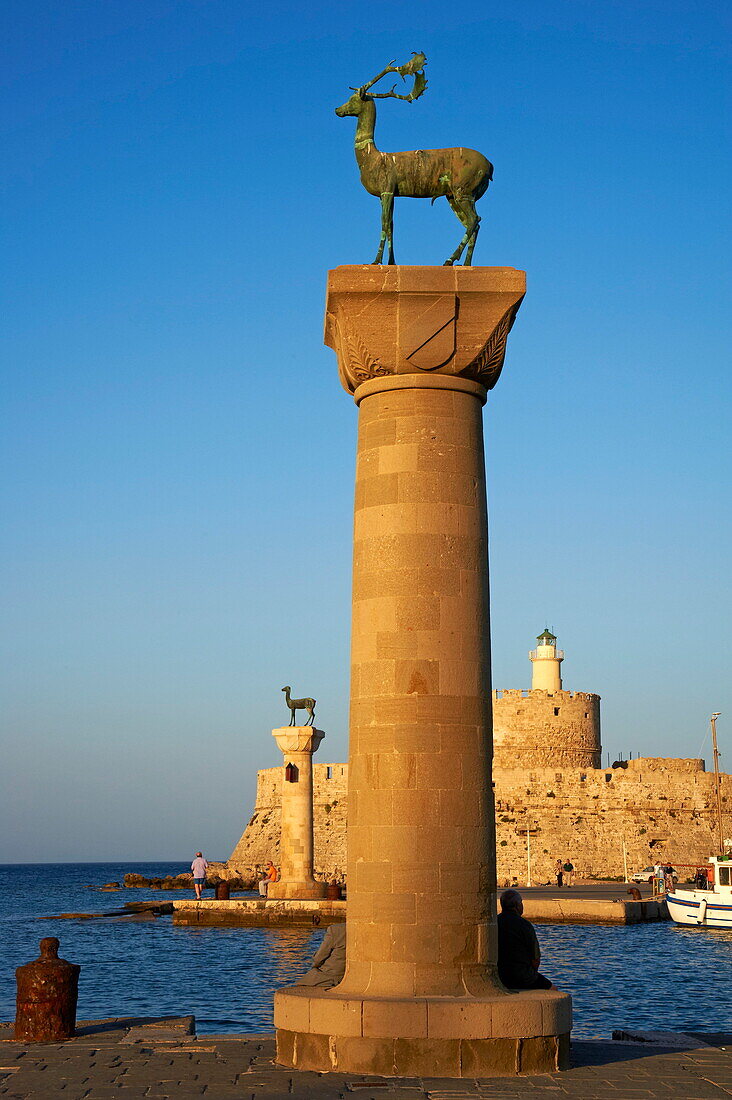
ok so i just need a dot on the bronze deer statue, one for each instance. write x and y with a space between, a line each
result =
461 175
299 704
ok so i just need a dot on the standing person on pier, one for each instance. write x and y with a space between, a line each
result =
659 885
559 872
199 868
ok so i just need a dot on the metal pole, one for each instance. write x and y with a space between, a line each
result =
717 783
625 861
528 855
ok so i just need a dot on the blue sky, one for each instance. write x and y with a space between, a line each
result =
178 454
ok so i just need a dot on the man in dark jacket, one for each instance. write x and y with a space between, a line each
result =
518 947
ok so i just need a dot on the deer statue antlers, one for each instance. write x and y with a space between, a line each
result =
412 68
461 175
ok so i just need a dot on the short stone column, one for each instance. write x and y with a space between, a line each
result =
297 745
419 348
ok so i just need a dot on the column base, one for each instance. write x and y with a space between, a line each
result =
290 889
497 1036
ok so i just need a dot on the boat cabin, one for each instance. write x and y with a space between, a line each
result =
722 874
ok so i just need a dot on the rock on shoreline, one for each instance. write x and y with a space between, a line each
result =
185 881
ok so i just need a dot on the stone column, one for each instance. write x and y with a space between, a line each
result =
297 745
419 348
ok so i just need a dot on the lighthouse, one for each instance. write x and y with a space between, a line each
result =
546 660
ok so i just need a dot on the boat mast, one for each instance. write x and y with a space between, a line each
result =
717 783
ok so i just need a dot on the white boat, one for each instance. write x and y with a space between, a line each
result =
710 908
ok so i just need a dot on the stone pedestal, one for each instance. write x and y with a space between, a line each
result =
419 348
297 745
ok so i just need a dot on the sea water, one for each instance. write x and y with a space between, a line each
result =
654 976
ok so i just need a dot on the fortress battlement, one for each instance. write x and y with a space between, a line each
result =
515 694
663 764
659 807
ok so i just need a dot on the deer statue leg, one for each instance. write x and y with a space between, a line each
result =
387 227
390 215
464 209
474 230
471 246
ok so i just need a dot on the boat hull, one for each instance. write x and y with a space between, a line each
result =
701 908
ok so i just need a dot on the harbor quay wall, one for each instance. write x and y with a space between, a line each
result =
585 815
662 809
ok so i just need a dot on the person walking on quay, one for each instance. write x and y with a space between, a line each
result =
518 948
559 872
199 868
568 869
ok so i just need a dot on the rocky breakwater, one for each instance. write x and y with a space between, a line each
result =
185 881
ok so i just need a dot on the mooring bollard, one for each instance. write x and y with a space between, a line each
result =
45 1006
223 891
333 891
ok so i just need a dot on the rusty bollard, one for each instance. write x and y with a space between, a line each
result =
223 892
45 1007
333 891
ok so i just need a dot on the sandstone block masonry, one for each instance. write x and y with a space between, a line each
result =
297 745
261 838
661 808
419 348
546 729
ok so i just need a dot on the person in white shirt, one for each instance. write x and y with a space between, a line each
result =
659 885
199 867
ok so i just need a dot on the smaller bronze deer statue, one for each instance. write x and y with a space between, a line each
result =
461 175
299 704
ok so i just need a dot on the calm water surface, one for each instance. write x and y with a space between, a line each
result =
659 976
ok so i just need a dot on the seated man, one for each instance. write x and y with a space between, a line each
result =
518 947
329 963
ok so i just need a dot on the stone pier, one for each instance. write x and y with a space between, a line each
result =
297 745
419 347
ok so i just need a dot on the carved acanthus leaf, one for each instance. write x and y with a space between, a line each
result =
355 362
487 365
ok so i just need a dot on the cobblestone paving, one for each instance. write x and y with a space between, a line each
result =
131 1059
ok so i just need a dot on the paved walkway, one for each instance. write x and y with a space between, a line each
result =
130 1058
586 891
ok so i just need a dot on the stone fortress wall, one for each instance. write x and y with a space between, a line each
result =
547 779
662 808
261 838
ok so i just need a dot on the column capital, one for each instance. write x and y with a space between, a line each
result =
291 739
421 321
